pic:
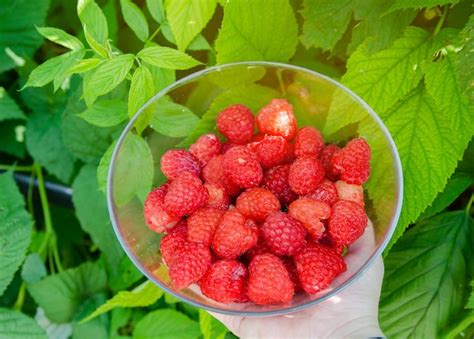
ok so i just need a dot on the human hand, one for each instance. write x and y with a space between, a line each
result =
351 313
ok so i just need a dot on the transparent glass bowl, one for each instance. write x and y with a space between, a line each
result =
317 100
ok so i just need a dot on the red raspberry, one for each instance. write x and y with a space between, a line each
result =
350 192
283 234
269 281
326 241
170 242
326 192
234 235
213 173
308 142
186 195
177 161
276 180
353 162
325 157
272 151
242 167
202 224
306 174
253 143
293 272
347 222
157 219
259 248
257 203
277 118
224 282
205 148
227 146
218 197
236 123
317 266
309 212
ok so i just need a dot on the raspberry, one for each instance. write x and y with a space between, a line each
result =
308 142
283 234
218 197
225 281
277 118
259 248
309 212
213 173
257 203
236 123
325 157
293 272
347 222
170 242
206 147
202 224
338 248
186 194
177 161
353 162
276 180
253 143
157 219
272 151
306 174
269 281
234 235
242 167
317 267
227 146
350 192
326 192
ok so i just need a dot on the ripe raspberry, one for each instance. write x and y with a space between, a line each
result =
309 212
347 222
170 242
353 162
213 173
236 123
257 203
177 161
325 157
234 235
328 242
253 143
218 197
308 142
227 146
283 234
157 219
272 151
317 267
202 224
326 192
269 281
306 174
186 195
242 167
225 281
350 192
259 248
293 272
205 148
277 118
276 180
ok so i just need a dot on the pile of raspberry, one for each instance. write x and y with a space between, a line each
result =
262 215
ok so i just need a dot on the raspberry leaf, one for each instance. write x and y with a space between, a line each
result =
166 57
156 9
404 4
141 90
172 119
14 324
166 324
105 113
8 107
95 25
135 19
210 327
60 37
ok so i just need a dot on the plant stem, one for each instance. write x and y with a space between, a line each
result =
30 196
440 23
153 35
16 168
469 204
21 297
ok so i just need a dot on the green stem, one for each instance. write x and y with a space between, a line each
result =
153 35
21 297
440 23
16 168
469 204
30 195
57 259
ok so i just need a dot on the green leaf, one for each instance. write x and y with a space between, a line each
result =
143 295
325 22
404 4
199 43
105 113
162 77
8 108
135 19
33 269
187 18
61 294
470 303
166 324
464 69
84 65
166 57
427 274
93 21
16 325
60 37
172 119
97 328
12 138
15 229
210 327
248 34
17 30
156 9
103 169
141 90
170 299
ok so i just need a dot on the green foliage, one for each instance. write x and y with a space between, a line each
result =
166 57
14 324
9 108
135 18
166 324
172 119
105 113
402 4
61 37
210 327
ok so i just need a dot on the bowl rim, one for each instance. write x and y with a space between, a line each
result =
284 310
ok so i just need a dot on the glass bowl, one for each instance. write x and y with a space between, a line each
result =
317 100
